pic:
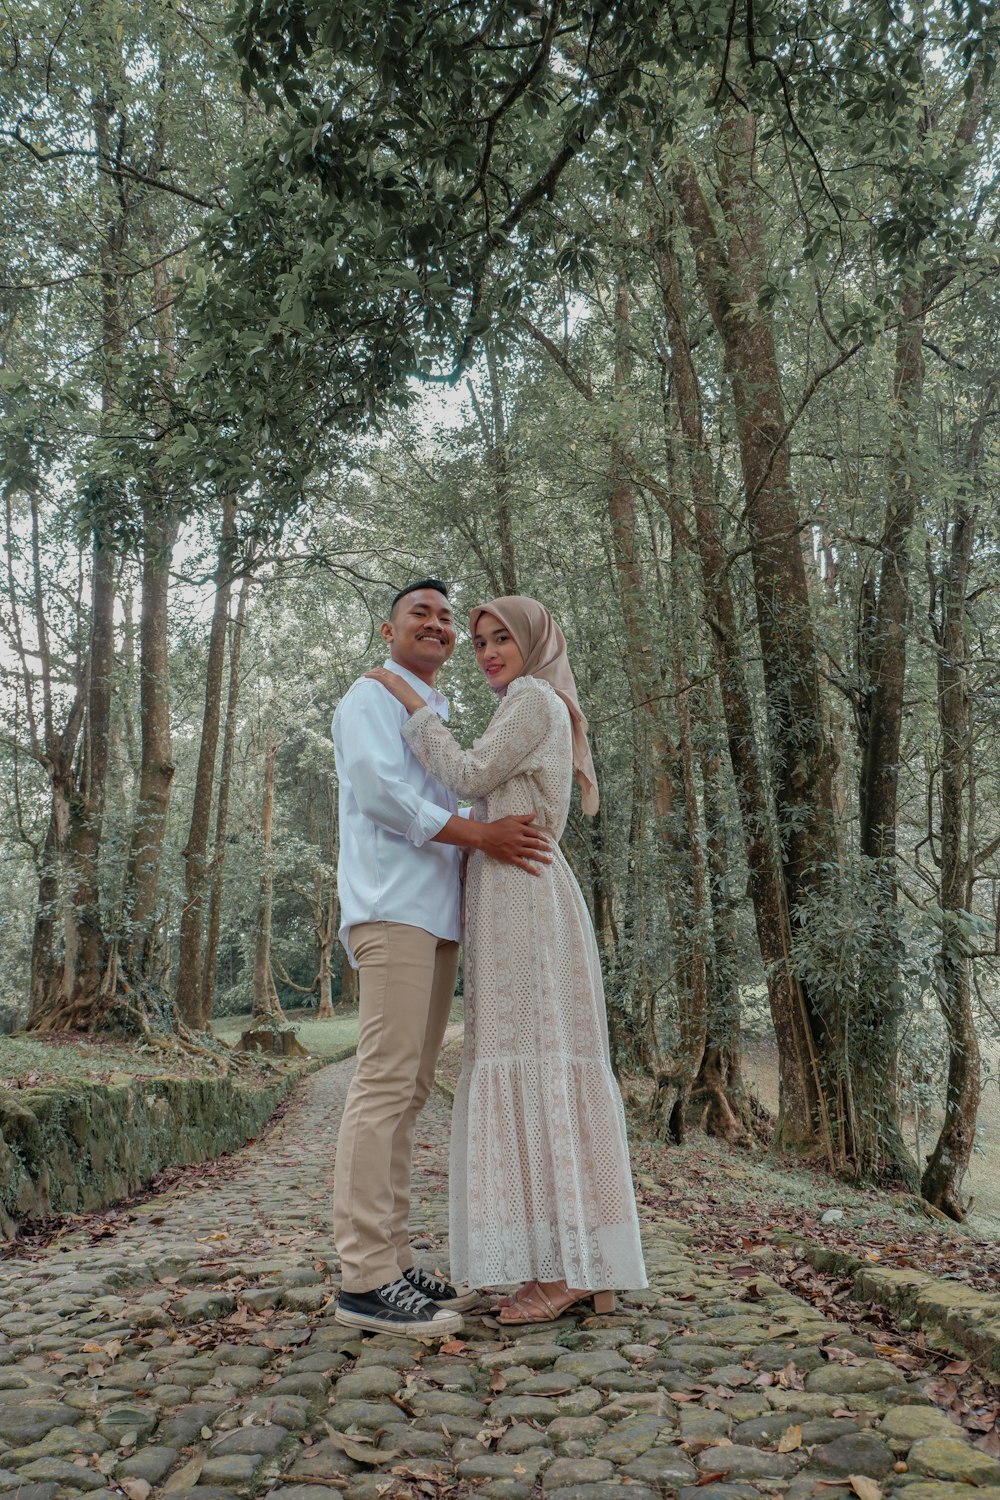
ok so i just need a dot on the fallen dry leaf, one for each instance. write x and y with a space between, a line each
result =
354 1447
187 1476
136 1489
790 1439
864 1488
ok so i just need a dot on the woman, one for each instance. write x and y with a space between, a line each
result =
541 1189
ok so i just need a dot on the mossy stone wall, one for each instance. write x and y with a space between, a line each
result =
77 1147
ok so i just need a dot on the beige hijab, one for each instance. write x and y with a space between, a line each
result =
543 646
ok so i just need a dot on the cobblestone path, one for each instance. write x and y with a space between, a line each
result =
194 1355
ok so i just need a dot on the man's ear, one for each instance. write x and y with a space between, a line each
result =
386 632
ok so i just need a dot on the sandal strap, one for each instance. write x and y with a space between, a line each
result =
542 1297
533 1301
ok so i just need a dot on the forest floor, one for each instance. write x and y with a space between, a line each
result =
982 1183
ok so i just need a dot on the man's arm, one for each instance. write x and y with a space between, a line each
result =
372 751
371 755
513 840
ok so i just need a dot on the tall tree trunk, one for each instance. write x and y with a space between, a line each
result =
156 768
46 926
949 1161
55 751
211 957
493 428
732 270
189 964
687 899
601 884
265 999
80 991
880 1148
85 950
632 1036
800 1091
673 1077
326 937
327 906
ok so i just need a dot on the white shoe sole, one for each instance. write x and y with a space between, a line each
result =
442 1325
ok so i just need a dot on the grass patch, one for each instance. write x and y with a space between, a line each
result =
68 1057
319 1038
73 1057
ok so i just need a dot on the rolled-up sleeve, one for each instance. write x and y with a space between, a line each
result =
374 761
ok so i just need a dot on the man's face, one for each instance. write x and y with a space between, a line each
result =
421 633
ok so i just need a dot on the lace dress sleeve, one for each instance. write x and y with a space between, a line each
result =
514 733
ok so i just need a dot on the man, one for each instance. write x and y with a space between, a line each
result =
399 879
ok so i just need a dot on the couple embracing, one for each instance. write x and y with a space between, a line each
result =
540 1185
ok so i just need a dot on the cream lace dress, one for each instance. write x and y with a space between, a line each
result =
540 1179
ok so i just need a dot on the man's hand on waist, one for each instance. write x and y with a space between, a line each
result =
516 841
512 841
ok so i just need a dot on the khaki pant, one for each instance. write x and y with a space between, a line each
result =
407 983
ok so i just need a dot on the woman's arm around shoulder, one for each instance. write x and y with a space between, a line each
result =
518 727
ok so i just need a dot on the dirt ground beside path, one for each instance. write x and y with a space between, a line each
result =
191 1352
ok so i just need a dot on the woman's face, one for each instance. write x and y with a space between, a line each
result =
496 652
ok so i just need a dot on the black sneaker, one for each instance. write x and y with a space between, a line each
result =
451 1298
396 1307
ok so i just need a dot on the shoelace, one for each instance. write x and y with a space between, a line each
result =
404 1296
432 1285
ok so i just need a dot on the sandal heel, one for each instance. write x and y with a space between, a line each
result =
604 1302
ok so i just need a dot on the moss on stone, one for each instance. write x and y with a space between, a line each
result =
952 1316
82 1145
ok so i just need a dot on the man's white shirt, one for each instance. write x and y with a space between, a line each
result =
390 810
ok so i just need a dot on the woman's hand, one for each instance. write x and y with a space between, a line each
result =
399 688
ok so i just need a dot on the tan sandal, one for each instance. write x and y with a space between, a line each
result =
536 1306
522 1291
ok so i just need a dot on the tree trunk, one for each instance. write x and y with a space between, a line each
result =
601 884
949 1161
884 651
800 1092
816 1110
56 753
326 937
265 999
719 1085
673 1077
211 956
80 990
880 1148
189 965
156 769
46 927
82 983
691 916
493 429
632 1035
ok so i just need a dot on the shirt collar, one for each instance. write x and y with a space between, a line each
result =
430 695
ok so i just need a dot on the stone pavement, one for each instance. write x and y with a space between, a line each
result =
193 1355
